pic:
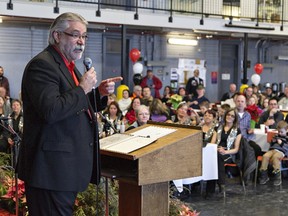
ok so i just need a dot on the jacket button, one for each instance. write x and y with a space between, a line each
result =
91 144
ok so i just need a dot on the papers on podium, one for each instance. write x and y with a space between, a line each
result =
126 143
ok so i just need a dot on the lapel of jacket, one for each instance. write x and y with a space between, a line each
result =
62 67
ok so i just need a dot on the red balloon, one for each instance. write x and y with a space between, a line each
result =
134 55
258 68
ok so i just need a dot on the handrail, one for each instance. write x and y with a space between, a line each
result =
266 11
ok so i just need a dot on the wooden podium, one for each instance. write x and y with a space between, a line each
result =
144 174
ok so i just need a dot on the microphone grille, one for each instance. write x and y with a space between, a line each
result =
87 62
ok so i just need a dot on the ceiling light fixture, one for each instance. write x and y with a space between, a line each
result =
180 41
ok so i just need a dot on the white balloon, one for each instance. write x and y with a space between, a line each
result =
255 78
137 68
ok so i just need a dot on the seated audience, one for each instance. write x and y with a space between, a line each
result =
269 92
228 139
253 110
159 112
221 111
182 92
278 149
204 106
8 100
283 102
4 147
186 115
131 114
125 101
199 98
208 127
232 101
142 116
265 104
248 92
272 116
230 93
113 115
147 97
167 93
137 92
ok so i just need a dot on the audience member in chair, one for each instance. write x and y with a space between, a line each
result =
278 150
186 115
208 127
272 116
228 139
142 116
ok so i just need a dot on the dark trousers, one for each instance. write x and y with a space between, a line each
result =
49 203
211 184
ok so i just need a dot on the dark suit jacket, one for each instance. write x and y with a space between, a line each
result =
60 149
192 85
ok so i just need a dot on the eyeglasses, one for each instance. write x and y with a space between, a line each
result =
273 104
76 36
231 115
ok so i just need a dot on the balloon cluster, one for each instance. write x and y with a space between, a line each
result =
137 67
255 78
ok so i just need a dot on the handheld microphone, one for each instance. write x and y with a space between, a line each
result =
88 63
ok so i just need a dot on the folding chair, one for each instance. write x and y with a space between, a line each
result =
259 158
241 177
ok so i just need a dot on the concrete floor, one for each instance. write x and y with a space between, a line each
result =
264 200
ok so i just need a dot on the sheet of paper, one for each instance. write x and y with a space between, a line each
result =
154 132
131 145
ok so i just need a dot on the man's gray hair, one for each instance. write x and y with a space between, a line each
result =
61 23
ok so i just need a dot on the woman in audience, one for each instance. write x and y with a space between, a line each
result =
131 114
159 112
186 115
208 128
142 116
125 102
228 139
113 115
182 92
168 92
265 104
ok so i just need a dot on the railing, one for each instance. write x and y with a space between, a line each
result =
267 11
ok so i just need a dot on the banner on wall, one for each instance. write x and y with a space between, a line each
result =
186 69
214 76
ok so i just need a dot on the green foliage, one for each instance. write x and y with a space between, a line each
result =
86 203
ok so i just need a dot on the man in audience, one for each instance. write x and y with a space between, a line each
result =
4 81
272 116
153 82
137 92
232 91
283 102
8 100
193 83
196 101
268 92
147 97
244 118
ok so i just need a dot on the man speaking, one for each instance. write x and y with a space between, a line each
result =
59 154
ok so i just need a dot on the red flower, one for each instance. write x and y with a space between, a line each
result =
254 111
